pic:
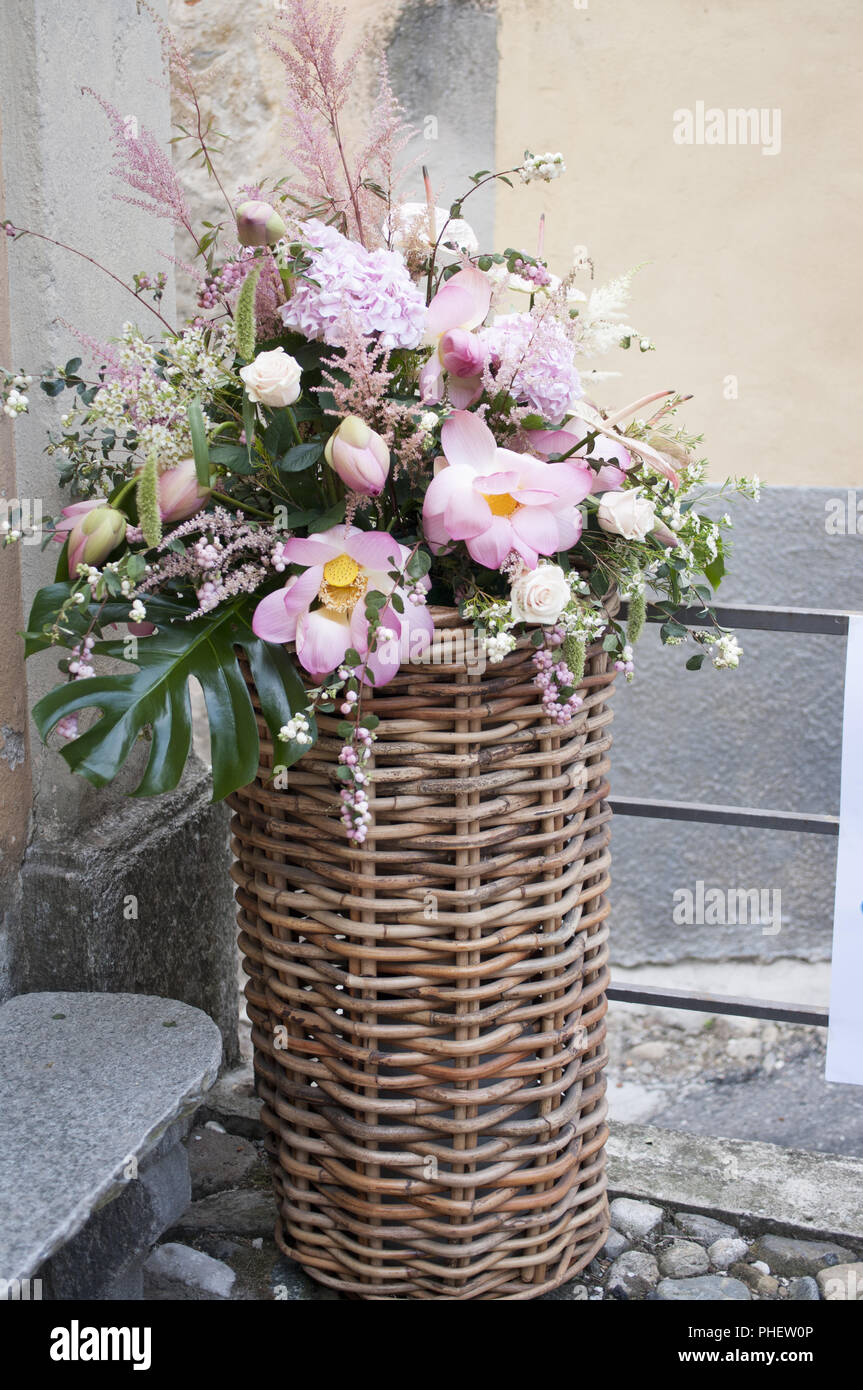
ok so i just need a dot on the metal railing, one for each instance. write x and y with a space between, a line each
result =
819 621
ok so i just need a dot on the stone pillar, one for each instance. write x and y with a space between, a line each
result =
110 894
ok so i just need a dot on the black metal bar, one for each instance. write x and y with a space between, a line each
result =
725 815
757 618
778 1012
816 621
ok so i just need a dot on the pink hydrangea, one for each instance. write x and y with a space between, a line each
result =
532 358
347 284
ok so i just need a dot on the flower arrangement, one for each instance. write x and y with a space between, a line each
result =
368 413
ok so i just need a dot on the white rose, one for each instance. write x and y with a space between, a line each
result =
540 595
273 378
626 514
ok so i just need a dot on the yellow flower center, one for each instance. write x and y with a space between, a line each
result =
341 572
501 503
343 584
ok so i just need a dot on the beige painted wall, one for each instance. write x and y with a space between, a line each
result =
753 271
754 266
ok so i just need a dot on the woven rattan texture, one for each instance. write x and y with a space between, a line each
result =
428 1012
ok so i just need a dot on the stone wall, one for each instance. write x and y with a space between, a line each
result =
114 894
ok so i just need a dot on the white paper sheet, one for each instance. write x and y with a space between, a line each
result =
845 1035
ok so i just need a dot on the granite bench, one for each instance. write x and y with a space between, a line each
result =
97 1093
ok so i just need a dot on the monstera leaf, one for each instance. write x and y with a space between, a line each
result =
154 697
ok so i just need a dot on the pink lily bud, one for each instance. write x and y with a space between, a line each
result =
359 456
462 353
93 536
180 493
258 224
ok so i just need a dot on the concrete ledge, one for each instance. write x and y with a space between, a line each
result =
96 1092
760 1186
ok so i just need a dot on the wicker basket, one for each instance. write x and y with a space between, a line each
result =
428 1012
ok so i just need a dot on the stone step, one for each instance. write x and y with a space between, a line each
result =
96 1094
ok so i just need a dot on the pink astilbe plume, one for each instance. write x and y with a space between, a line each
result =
141 163
192 271
360 382
306 36
387 135
269 296
104 355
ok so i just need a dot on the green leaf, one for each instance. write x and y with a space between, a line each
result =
278 435
300 457
200 448
233 457
155 696
715 571
419 564
249 425
328 519
46 606
696 662
672 629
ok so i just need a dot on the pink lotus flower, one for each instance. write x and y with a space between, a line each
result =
341 565
93 530
459 306
498 501
180 494
359 456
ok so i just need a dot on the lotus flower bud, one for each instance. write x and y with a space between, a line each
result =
180 493
462 353
359 456
94 535
258 224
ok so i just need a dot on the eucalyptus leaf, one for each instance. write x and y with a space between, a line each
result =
300 457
